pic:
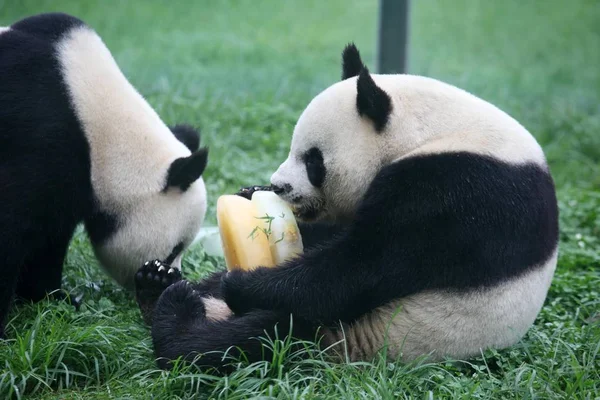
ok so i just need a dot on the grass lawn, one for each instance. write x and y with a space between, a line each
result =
243 71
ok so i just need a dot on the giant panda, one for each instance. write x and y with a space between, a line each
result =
442 227
78 143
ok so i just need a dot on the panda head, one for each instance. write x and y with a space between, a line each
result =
160 223
340 142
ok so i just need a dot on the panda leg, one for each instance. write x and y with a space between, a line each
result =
9 268
181 328
210 286
42 271
154 277
150 282
28 275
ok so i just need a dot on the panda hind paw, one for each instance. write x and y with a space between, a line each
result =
151 280
182 302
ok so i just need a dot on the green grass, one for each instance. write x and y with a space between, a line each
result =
243 71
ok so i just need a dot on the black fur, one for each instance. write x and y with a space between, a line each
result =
150 281
175 252
181 328
155 276
315 169
351 62
45 187
100 225
187 135
450 221
315 234
454 222
44 164
372 101
186 170
47 27
175 312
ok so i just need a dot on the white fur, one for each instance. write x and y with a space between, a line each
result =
4 29
131 151
428 117
216 309
441 324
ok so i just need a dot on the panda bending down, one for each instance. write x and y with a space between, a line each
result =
78 144
442 238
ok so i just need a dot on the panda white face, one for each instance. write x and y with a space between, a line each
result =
162 226
333 158
337 148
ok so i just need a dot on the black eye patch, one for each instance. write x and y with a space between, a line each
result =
315 169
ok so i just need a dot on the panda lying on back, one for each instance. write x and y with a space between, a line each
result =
79 144
447 242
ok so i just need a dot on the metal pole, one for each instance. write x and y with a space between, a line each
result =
392 44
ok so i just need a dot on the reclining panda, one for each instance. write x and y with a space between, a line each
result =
446 239
78 144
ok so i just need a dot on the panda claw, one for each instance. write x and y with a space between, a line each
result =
248 191
150 281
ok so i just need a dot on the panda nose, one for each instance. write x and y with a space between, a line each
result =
281 189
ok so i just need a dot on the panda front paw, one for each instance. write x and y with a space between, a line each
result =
247 192
151 280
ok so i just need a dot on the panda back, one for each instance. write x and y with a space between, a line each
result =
466 246
48 27
431 117
41 139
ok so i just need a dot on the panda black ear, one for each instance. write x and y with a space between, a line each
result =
187 134
351 62
372 101
186 170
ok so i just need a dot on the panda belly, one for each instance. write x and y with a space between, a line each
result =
445 324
